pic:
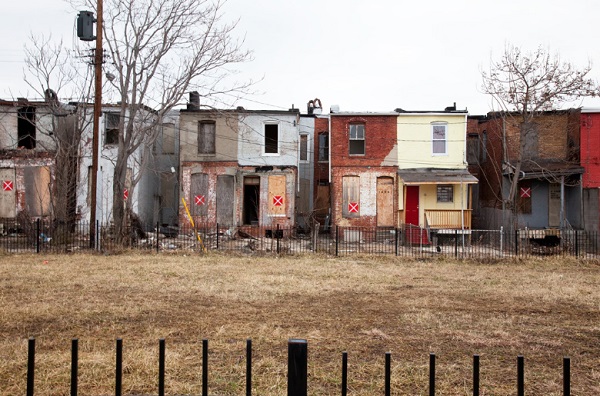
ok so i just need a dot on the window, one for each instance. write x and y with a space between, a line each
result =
438 133
303 147
206 137
111 126
271 139
351 199
323 147
26 128
357 139
445 193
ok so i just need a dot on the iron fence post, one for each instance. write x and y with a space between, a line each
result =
157 234
74 365
277 238
297 367
30 366
577 243
37 239
217 236
396 241
516 243
119 368
161 367
337 240
566 376
455 243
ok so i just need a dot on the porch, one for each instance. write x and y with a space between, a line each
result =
454 219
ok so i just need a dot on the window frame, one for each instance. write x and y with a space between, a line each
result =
269 144
442 188
111 130
434 140
323 147
351 139
202 123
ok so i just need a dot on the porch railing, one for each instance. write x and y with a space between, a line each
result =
448 218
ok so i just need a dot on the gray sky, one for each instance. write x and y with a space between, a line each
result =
361 55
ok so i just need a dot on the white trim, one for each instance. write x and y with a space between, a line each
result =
445 140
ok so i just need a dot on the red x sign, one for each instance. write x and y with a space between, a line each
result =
525 192
199 199
125 194
353 207
277 200
7 185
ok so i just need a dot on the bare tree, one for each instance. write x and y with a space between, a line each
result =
53 72
525 84
161 49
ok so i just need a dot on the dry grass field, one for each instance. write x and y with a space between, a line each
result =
542 309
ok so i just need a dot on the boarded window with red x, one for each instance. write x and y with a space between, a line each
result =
524 196
351 201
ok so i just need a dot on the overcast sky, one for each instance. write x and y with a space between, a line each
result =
373 55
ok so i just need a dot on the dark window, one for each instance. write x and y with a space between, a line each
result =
357 139
323 147
206 137
271 139
26 127
303 147
111 126
445 193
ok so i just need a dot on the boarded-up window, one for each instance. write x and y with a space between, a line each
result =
8 193
524 198
37 190
277 197
168 139
199 194
225 201
206 137
351 199
303 147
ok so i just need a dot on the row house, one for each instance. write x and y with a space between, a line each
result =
239 167
46 162
590 161
549 189
397 169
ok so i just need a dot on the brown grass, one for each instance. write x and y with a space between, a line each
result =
543 309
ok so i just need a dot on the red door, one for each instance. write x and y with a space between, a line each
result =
412 205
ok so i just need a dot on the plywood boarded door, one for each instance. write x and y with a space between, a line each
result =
199 195
277 197
385 202
8 193
37 190
554 205
225 200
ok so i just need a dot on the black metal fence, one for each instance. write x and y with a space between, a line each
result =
297 377
405 241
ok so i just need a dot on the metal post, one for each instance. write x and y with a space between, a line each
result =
98 55
337 240
30 366
475 375
396 241
344 373
277 238
157 233
37 239
501 241
517 243
388 374
455 243
74 365
566 376
520 375
248 365
576 243
431 374
119 368
161 367
205 367
217 236
297 367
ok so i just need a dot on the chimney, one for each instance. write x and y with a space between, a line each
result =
194 103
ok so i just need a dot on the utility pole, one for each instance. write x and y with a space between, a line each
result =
98 58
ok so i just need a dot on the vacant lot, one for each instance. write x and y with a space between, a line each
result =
543 309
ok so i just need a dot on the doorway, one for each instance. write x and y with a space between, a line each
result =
251 208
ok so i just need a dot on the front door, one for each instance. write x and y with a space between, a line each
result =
412 205
554 205
385 202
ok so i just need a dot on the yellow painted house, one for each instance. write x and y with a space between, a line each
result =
433 179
